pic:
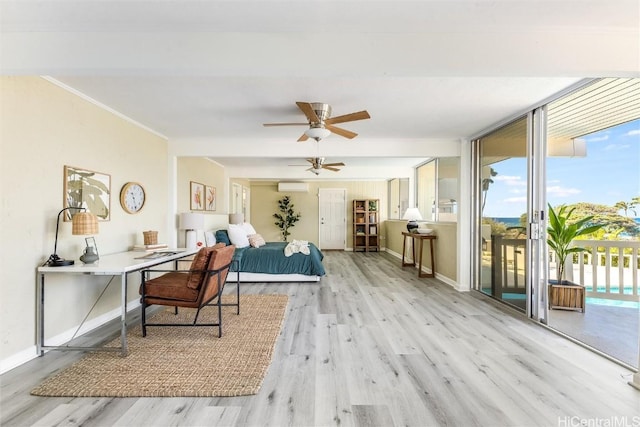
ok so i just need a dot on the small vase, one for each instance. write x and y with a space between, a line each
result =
90 256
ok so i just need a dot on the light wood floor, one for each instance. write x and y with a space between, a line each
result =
373 345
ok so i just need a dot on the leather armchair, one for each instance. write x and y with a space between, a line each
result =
197 287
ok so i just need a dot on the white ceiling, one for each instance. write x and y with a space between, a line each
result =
207 74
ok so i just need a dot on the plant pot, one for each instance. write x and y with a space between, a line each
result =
566 295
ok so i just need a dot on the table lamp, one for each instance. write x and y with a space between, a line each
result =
190 222
236 218
83 223
413 215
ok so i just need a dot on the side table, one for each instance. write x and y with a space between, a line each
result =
421 238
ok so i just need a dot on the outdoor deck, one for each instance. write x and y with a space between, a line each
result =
611 328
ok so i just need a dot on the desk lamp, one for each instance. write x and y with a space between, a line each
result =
191 222
82 223
413 215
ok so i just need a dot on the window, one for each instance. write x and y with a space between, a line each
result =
398 197
437 189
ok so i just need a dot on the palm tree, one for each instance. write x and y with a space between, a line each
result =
486 182
635 202
626 207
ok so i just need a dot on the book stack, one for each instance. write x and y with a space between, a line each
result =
150 248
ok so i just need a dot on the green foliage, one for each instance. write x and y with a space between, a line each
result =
612 222
523 220
286 218
497 228
563 229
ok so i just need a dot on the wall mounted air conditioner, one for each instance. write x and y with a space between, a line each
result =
293 187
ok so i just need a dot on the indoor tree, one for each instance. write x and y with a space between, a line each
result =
286 218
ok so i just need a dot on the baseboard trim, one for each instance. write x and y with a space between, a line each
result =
31 352
439 276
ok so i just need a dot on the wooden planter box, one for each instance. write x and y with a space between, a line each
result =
567 296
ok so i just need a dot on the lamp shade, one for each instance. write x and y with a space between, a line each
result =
191 221
317 133
412 214
236 218
84 223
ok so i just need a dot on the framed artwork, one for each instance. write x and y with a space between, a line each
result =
210 198
91 243
197 196
87 189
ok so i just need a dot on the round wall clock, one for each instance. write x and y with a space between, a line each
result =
132 197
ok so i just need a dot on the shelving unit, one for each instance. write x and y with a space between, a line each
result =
366 225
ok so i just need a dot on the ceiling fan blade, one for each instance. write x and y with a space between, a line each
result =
334 164
285 124
312 161
360 115
330 168
307 109
341 132
303 137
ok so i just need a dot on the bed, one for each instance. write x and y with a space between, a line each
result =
268 263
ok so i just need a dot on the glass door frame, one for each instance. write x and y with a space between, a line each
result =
536 270
537 250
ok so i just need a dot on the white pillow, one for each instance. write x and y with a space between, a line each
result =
209 238
238 236
249 228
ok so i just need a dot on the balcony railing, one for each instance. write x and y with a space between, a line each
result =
608 269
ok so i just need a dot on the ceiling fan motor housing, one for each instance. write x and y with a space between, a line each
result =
323 111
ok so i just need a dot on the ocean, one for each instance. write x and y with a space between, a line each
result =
510 222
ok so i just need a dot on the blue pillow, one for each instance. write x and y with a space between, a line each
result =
223 237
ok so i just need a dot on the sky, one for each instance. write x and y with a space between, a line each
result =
609 173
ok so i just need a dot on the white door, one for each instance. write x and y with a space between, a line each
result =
333 218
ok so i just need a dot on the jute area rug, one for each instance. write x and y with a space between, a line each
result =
182 361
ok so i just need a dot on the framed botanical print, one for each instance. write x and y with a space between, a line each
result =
210 198
84 188
197 196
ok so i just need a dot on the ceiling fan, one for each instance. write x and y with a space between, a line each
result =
320 122
317 164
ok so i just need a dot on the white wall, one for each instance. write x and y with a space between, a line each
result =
43 128
207 172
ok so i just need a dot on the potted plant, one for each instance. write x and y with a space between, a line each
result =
286 218
561 231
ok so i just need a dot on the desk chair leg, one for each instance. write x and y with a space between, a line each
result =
219 313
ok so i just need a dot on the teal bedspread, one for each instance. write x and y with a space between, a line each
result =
270 259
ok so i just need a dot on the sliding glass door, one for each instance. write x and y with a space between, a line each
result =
580 153
592 169
503 207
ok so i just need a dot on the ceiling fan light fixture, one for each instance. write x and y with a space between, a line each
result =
317 133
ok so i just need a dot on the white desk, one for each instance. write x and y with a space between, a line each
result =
118 264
